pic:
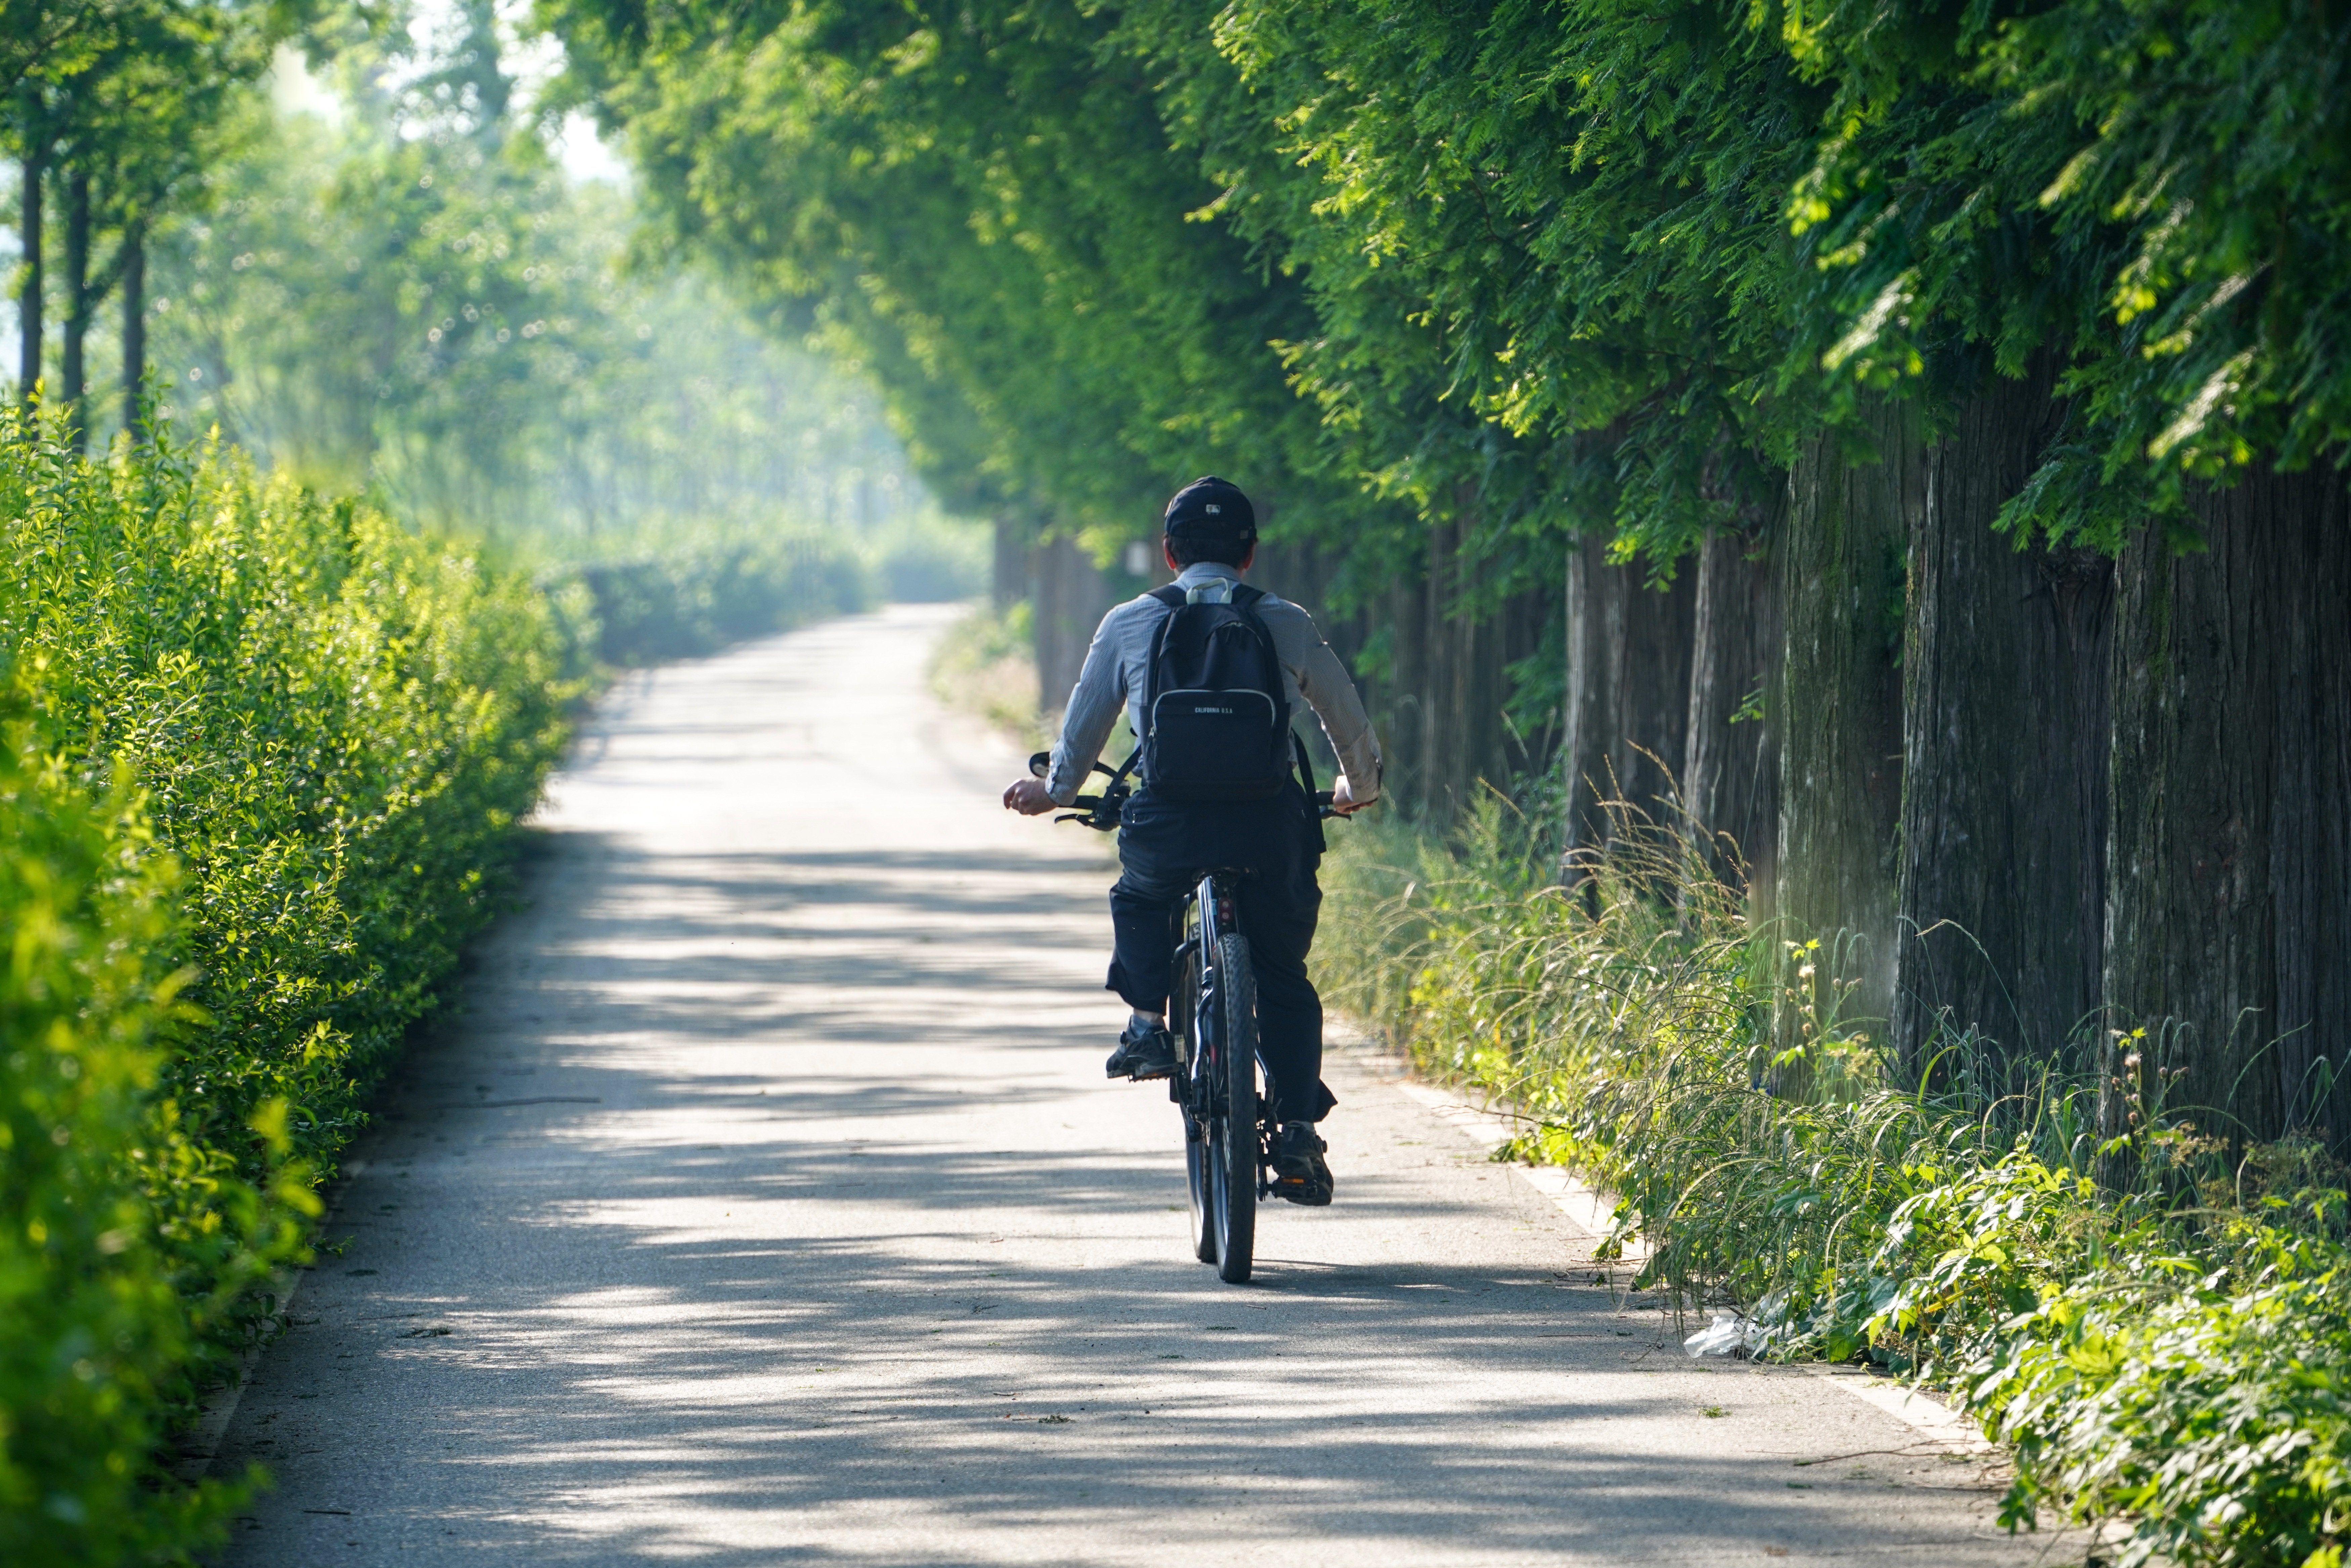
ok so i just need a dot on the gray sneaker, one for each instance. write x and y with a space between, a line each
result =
1144 1051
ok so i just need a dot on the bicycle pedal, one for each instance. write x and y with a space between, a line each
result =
1298 1189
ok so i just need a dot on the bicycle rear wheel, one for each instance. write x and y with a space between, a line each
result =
1232 1147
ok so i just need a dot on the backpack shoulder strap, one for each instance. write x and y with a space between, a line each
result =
1246 599
1173 597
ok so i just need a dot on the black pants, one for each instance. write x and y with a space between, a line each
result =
1163 848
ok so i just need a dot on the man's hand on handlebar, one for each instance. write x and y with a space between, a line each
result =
1028 797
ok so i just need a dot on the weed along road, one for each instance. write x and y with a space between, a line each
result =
764 1202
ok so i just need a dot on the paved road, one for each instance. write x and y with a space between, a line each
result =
766 1204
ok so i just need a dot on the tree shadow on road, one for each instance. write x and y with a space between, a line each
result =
746 1289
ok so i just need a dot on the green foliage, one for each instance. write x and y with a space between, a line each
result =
699 598
981 208
1536 265
123 1242
116 111
2151 191
406 295
261 785
1560 222
2183 1371
2175 1353
251 651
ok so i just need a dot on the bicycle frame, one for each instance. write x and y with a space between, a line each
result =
1208 915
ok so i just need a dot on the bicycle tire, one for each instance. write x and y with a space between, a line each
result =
1197 1144
1233 1146
1196 1181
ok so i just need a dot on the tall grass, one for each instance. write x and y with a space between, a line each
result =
2175 1350
986 666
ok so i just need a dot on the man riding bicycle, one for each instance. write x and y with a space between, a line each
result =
1166 842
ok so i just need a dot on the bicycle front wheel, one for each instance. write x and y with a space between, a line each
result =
1233 1145
1199 1136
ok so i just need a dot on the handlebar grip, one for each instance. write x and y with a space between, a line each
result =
1323 808
1041 765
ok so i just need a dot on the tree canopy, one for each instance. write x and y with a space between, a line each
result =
1559 267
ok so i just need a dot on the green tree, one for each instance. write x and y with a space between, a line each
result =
121 120
984 204
418 299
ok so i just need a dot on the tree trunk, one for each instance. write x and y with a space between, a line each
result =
1408 623
1841 717
134 329
28 298
1068 597
1628 694
1008 574
1461 704
70 380
1440 702
1730 766
1443 767
2004 756
2230 865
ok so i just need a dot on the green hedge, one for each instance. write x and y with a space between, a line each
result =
697 600
2157 1326
263 756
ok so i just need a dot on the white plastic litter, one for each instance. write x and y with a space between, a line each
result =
1729 1335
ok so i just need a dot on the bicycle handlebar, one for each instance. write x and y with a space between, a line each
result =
1041 763
1101 812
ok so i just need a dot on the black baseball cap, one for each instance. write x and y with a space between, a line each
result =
1215 507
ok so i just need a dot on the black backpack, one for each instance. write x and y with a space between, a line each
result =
1216 723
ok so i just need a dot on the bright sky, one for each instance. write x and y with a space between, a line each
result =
531 59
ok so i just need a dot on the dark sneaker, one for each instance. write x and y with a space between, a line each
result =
1299 1174
1144 1051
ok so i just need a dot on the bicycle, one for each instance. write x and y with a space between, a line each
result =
1212 1013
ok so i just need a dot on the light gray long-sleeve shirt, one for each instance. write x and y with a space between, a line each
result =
1117 671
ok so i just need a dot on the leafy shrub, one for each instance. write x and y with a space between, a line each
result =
923 558
122 1242
269 754
2176 1351
699 598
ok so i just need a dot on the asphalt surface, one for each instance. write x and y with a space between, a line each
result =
764 1202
